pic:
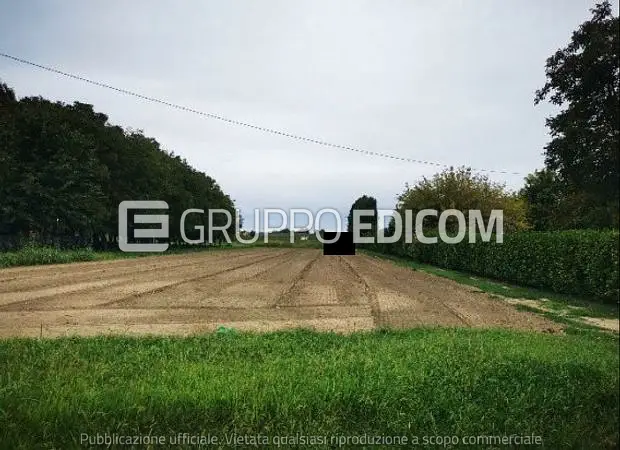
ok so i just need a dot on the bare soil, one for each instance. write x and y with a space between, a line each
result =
253 289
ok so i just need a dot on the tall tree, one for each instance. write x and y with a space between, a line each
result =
368 203
7 95
583 79
8 172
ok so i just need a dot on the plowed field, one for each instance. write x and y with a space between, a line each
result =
253 289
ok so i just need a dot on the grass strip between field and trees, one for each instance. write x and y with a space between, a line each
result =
420 382
32 255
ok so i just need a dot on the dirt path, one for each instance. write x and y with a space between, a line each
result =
254 289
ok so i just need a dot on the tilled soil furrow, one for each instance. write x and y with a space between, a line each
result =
99 292
287 296
402 297
415 297
330 280
369 292
98 316
85 266
405 277
173 285
340 325
229 288
249 289
67 276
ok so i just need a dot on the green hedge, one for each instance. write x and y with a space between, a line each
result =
583 262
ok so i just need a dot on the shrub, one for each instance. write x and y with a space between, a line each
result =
34 255
583 262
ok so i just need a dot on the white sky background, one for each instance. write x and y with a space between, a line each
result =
450 82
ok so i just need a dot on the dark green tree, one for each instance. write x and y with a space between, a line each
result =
364 203
7 95
543 197
53 182
553 204
583 79
64 170
8 172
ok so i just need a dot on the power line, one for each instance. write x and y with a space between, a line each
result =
239 123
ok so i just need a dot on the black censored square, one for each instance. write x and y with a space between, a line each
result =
343 246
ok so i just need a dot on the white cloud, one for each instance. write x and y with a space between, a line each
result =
451 82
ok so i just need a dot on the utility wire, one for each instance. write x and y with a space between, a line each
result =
239 123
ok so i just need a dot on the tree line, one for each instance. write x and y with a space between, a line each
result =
64 169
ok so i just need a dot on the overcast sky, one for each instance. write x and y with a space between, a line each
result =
450 82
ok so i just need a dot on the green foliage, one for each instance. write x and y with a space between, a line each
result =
364 203
36 255
7 95
463 190
420 382
544 200
566 305
64 170
583 79
582 262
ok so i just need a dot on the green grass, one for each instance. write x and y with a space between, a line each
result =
562 304
35 255
422 382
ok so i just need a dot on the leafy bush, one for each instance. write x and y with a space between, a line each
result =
34 255
581 262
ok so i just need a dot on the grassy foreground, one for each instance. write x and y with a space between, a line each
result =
297 385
